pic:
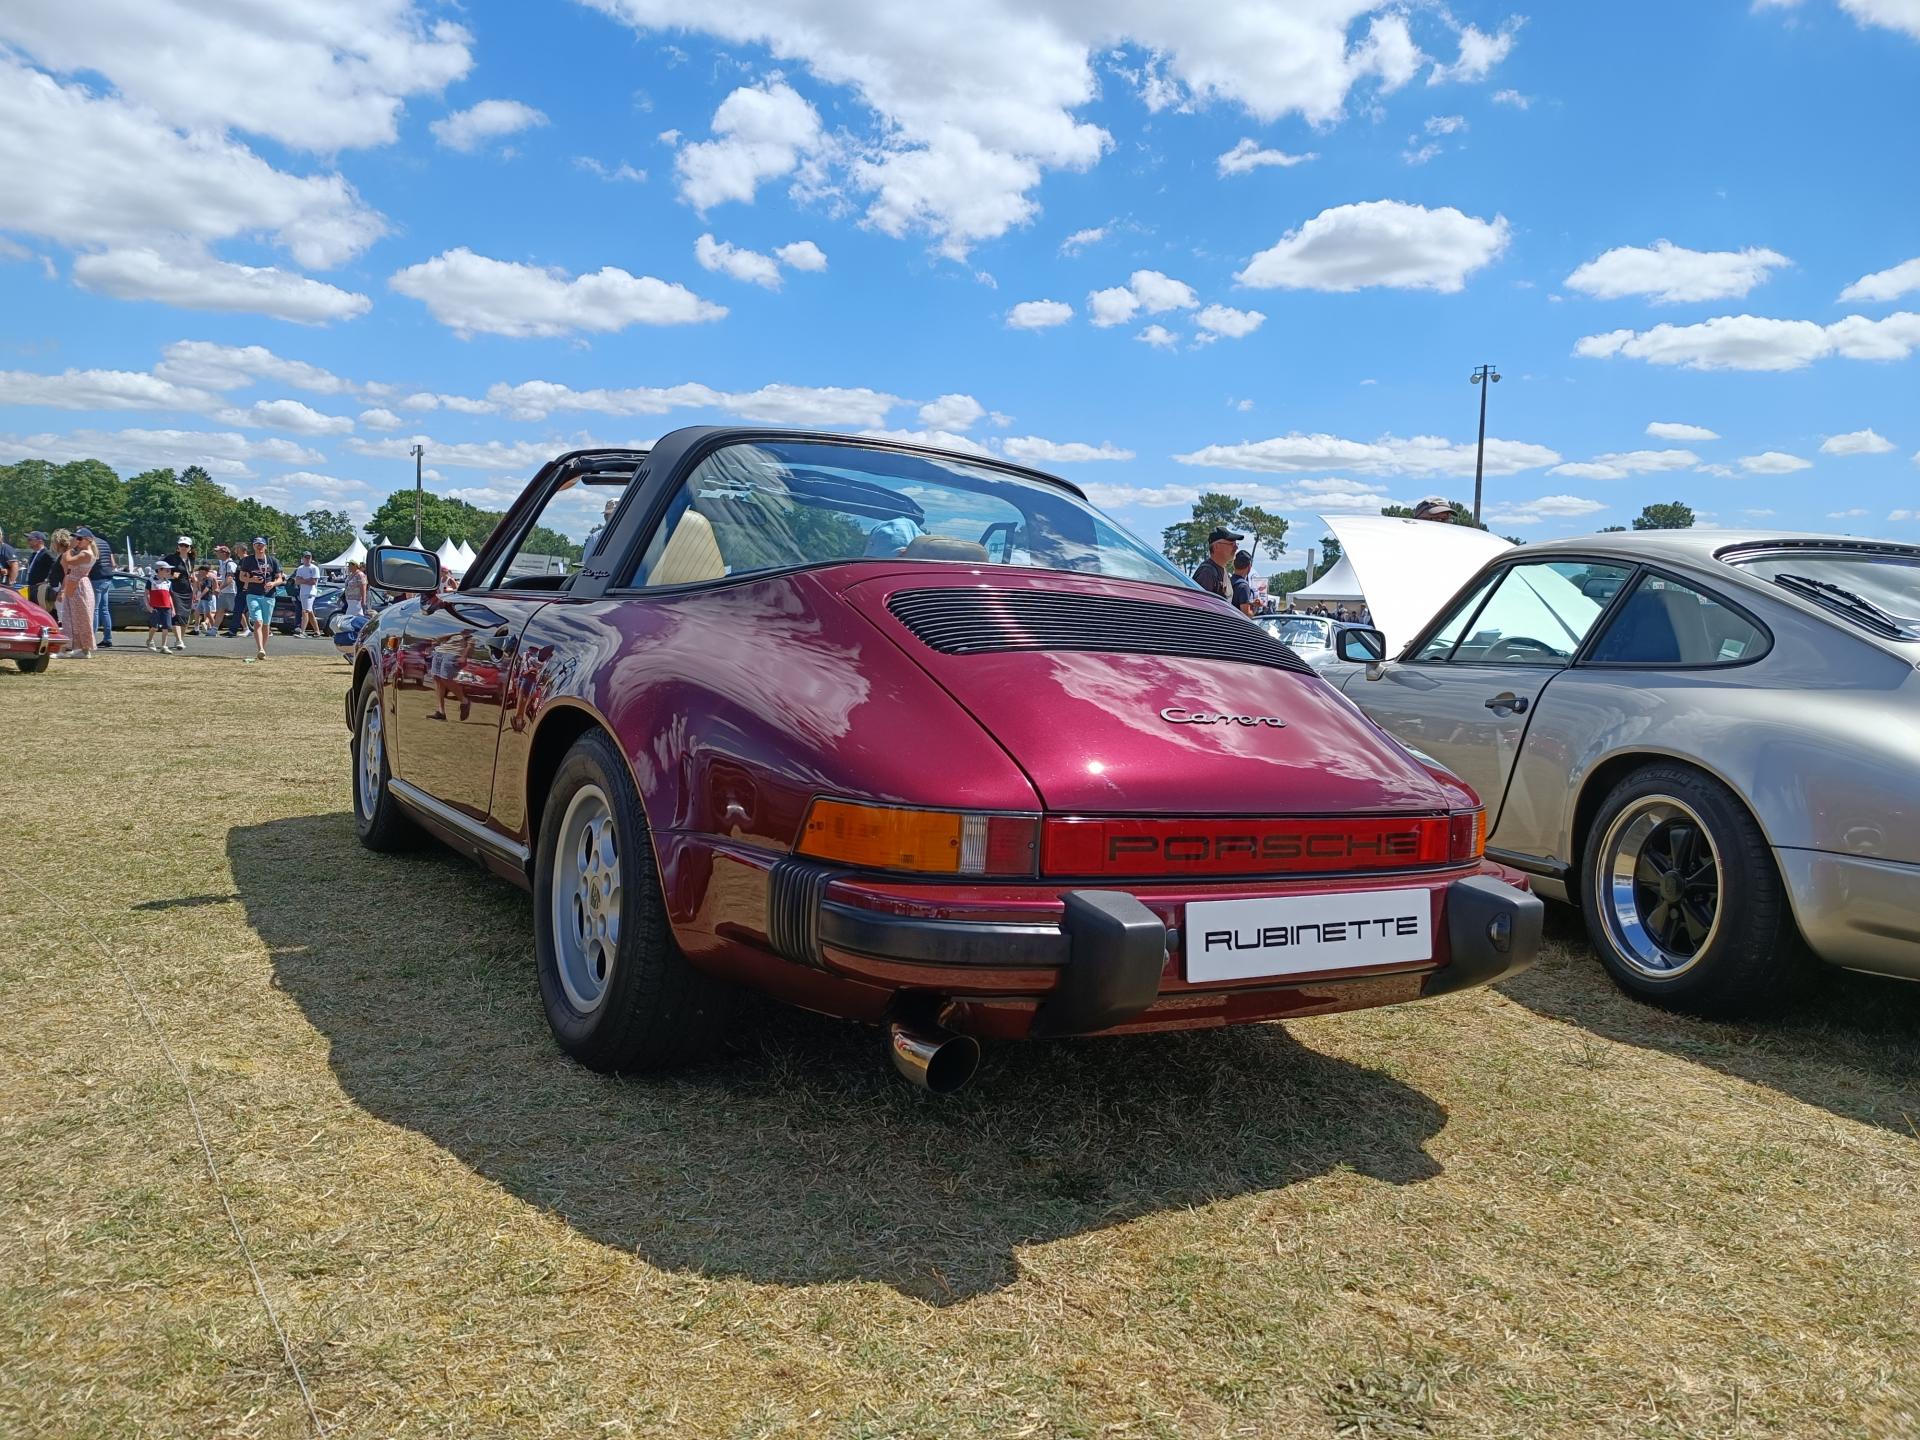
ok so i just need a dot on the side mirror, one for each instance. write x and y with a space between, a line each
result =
398 567
1360 645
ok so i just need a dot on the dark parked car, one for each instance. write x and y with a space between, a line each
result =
127 602
788 725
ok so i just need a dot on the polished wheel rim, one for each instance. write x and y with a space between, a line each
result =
372 753
586 898
1663 881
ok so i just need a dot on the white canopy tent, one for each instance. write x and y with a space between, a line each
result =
451 558
467 555
1339 586
355 554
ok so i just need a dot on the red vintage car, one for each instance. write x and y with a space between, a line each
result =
29 636
915 738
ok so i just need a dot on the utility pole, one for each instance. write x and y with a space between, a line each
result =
419 454
1485 377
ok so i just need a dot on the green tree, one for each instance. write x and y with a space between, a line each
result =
1329 553
1185 542
1612 529
326 532
84 492
26 496
441 518
157 509
1462 514
1671 516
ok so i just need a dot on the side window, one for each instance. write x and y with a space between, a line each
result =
1666 623
567 529
1539 613
1440 647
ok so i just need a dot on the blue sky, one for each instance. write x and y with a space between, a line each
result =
1154 246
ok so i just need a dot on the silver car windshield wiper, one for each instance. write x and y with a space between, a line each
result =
1900 626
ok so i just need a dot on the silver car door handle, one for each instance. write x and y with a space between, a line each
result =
1508 703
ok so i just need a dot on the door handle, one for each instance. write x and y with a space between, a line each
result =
1508 703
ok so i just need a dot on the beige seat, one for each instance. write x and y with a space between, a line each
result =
691 554
942 547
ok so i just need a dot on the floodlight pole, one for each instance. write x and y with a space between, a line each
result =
1485 377
419 454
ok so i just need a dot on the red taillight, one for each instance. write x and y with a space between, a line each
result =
1114 847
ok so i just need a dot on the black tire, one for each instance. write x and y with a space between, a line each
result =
377 816
653 1010
32 664
1740 955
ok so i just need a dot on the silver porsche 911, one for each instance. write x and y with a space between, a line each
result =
1708 740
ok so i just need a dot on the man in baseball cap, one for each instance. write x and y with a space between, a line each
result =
1213 574
1434 507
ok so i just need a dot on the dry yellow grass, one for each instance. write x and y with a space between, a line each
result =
1540 1211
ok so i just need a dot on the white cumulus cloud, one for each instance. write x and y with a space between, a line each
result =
1114 306
748 265
234 367
1225 322
1479 53
1056 452
1158 336
195 280
1755 342
1380 242
801 255
1773 462
1081 239
760 133
1856 442
1389 455
1675 430
290 415
1620 464
379 418
470 129
952 412
222 453
475 294
100 390
1888 284
1547 507
1039 314
1247 156
1669 273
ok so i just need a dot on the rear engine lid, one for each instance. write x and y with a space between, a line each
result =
1123 698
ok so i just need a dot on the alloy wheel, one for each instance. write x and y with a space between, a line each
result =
1660 882
586 898
372 754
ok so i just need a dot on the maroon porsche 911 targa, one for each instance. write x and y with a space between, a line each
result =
915 738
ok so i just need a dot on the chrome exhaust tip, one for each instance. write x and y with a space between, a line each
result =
933 1059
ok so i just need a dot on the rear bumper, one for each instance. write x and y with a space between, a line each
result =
16 643
1101 959
1856 912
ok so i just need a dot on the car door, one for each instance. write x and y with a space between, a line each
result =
1465 694
455 651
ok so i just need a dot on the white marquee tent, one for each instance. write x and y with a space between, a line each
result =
1339 586
451 558
468 554
356 553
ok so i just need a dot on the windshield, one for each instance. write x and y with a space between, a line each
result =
1303 632
776 504
1876 589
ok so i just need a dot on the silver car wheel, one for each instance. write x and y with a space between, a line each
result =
1660 881
586 899
372 754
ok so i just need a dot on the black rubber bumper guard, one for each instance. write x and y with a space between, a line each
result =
1109 947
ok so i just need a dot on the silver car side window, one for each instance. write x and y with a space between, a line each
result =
1664 622
1539 613
1440 647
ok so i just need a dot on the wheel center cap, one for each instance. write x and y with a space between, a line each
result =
1670 886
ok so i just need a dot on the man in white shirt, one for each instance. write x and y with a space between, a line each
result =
306 583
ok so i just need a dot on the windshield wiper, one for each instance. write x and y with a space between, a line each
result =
1901 627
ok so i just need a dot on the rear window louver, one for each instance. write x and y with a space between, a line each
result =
993 622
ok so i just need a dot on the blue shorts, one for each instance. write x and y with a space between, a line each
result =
259 609
160 617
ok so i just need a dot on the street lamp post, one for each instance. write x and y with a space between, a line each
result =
1485 377
419 454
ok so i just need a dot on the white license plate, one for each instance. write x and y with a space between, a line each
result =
1301 934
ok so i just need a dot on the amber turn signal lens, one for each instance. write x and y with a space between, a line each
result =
1469 834
928 842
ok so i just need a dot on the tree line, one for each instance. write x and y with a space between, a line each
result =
155 507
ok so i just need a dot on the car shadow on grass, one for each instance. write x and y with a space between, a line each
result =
1851 1045
796 1156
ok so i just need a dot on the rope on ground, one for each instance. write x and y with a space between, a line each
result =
206 1153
